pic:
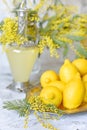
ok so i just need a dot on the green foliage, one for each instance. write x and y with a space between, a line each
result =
62 44
58 24
75 38
1 24
18 105
81 50
22 106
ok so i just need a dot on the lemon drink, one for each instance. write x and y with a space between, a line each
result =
21 61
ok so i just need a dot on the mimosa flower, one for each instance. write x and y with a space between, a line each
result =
56 26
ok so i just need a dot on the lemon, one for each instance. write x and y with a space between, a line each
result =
73 94
67 71
51 95
84 78
59 84
81 65
47 77
85 97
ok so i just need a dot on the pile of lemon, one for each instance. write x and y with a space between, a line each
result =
68 87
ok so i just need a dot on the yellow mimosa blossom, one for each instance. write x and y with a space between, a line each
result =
48 42
10 32
55 24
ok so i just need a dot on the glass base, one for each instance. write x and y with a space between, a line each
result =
20 86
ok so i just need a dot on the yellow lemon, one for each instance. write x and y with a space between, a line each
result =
51 95
73 94
47 77
59 84
84 78
81 65
85 97
67 71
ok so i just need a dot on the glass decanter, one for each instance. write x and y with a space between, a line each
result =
22 58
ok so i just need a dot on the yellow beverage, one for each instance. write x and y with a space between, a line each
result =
21 61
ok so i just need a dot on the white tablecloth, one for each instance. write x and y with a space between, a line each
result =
10 120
